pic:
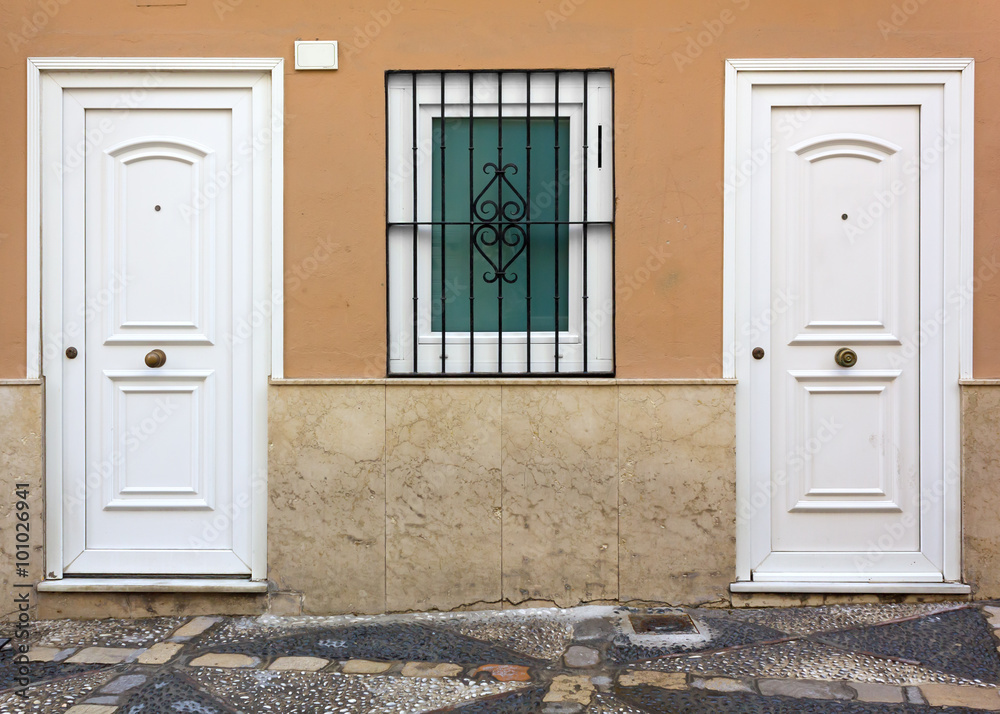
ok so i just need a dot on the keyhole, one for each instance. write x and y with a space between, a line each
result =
843 216
157 208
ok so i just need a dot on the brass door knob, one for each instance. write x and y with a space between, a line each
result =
846 357
156 358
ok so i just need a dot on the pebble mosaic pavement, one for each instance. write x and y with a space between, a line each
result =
851 658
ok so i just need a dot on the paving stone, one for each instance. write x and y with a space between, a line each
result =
562 708
868 692
195 627
805 688
945 695
578 656
913 695
721 684
570 688
664 680
220 659
160 653
123 684
506 672
364 666
603 682
993 615
47 654
429 669
91 709
102 655
302 664
108 699
598 628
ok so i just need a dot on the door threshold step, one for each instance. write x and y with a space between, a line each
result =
750 586
152 585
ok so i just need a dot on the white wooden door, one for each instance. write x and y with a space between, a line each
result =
850 216
160 454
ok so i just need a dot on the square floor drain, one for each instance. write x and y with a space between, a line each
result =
674 624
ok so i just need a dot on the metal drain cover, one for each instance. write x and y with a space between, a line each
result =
662 624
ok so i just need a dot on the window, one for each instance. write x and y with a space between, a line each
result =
500 223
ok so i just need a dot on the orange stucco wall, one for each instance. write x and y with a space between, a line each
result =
668 62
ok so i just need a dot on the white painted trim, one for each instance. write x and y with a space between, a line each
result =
749 586
54 74
33 253
151 585
860 64
741 76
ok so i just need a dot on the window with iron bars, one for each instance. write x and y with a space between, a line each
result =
500 230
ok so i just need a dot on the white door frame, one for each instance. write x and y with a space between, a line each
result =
48 77
956 80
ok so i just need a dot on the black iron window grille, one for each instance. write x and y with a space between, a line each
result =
500 228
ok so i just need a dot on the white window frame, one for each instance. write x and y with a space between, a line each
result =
427 102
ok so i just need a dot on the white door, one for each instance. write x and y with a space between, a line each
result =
847 219
157 426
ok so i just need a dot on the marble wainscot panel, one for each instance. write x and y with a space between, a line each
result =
560 499
443 500
678 497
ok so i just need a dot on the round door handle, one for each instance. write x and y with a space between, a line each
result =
156 358
846 357
71 352
758 353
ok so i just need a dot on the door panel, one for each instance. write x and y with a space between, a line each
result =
843 241
166 202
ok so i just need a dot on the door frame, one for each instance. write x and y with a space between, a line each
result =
47 78
955 77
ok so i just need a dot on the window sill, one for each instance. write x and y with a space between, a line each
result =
152 585
744 586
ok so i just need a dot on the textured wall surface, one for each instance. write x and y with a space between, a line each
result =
668 59
405 497
981 489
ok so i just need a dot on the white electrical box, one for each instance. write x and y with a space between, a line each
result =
316 54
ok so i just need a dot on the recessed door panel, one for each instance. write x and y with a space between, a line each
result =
163 236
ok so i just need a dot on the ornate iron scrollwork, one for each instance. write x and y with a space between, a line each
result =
499 225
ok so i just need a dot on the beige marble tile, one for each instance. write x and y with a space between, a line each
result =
326 516
442 496
980 496
560 499
677 484
20 463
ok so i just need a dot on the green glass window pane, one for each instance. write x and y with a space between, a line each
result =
524 233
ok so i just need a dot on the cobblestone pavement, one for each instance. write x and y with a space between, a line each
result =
596 660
